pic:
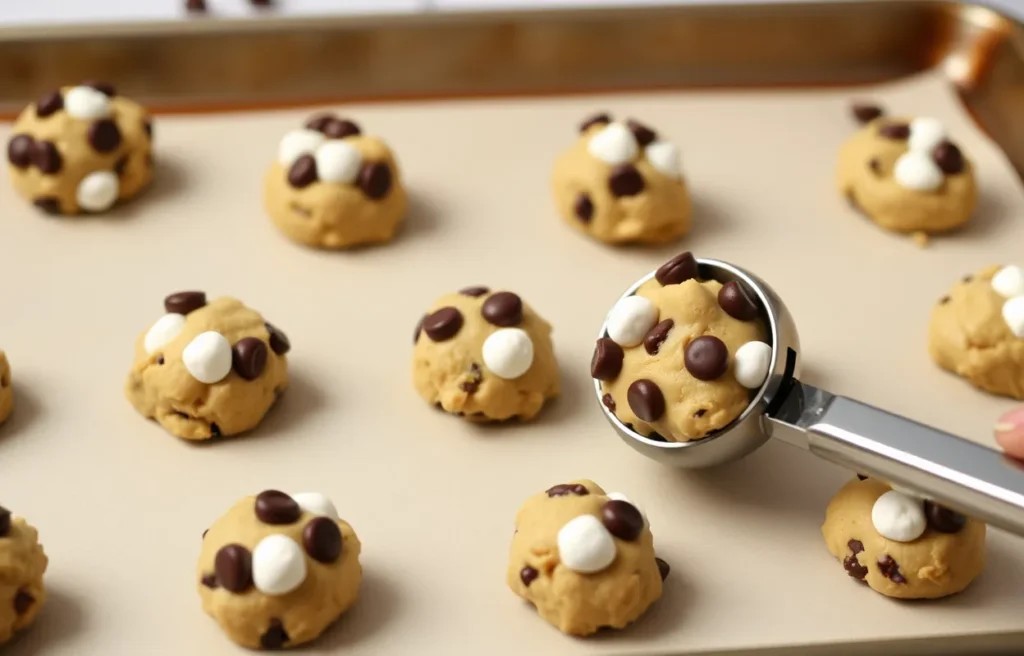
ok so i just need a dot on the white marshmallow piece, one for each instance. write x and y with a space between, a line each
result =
98 191
278 565
163 332
86 103
925 134
631 319
899 516
316 503
508 353
1009 281
615 145
1013 315
664 156
296 143
619 496
337 161
917 171
208 357
585 545
752 361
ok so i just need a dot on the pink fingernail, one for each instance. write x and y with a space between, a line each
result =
1011 422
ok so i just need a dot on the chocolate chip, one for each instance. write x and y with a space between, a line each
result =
104 135
22 602
679 269
943 519
340 128
896 131
46 157
866 112
472 384
302 172
48 204
875 166
503 309
205 531
706 358
606 362
443 324
968 278
419 329
851 564
249 357
646 400
565 489
49 103
147 125
5 521
948 158
374 179
657 335
622 519
608 401
643 134
596 119
184 302
944 300
474 291
319 121
890 569
583 208
700 413
120 165
279 342
275 636
214 430
861 477
322 539
663 568
105 88
274 507
197 6
233 566
625 180
528 575
209 580
19 150
734 298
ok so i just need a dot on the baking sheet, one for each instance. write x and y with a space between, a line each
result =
121 505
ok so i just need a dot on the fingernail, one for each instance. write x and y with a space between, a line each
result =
1010 422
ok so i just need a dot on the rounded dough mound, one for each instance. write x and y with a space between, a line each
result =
22 565
6 388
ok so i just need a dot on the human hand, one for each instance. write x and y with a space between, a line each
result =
1010 433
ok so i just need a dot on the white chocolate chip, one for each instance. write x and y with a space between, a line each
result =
615 144
752 361
163 332
297 143
208 357
508 353
916 171
316 503
98 191
899 517
338 161
278 565
664 156
1013 314
585 545
925 134
631 319
1009 281
86 103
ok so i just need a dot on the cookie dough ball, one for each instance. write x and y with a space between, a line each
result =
278 569
900 545
682 357
207 370
333 186
6 389
22 565
81 149
622 183
584 559
485 356
906 174
977 330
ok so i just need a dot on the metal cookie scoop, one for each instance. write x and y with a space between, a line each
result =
950 470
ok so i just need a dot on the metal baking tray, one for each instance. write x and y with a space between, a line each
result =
476 107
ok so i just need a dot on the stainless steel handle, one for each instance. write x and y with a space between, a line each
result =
968 477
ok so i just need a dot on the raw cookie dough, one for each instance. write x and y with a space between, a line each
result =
333 186
485 356
278 569
81 149
208 369
621 183
977 330
6 389
682 356
22 565
906 174
930 551
584 559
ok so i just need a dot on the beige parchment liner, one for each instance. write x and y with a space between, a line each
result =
121 505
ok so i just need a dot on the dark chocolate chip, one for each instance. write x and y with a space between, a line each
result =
214 430
706 358
663 568
875 166
646 400
583 208
374 179
861 477
197 6
210 581
147 125
19 150
302 172
948 158
608 401
49 103
322 539
565 489
249 357
700 413
679 269
275 507
622 519
233 566
474 291
184 302
943 519
160 359
896 131
46 157
944 300
5 521
472 384
22 602
340 128
625 180
120 165
596 119
890 569
606 362
734 298
105 88
643 134
104 135
866 112
443 324
528 575
48 204
275 636
205 531
279 342
851 564
968 278
503 309
319 121
657 336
